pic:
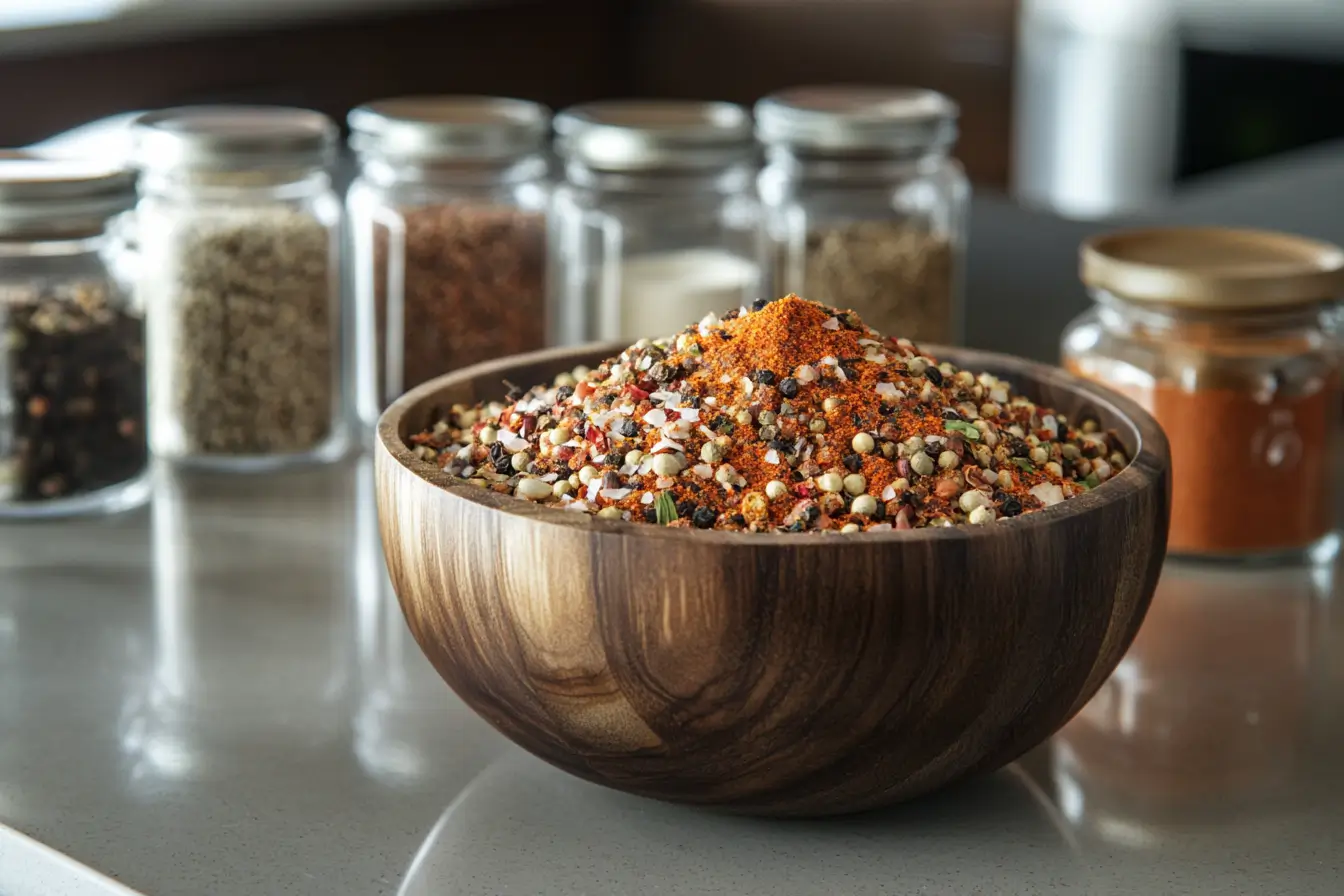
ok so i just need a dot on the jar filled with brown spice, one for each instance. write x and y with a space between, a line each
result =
448 227
864 206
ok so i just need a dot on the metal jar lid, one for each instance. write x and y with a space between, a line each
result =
641 135
50 195
1214 268
839 118
234 138
449 127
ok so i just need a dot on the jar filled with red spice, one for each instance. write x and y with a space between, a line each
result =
1228 338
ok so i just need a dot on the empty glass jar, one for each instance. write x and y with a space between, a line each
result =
656 223
240 233
448 228
864 207
72 377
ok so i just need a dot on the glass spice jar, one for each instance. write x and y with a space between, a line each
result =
448 228
72 377
240 233
656 223
864 207
1228 338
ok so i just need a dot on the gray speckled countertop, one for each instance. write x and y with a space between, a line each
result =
217 695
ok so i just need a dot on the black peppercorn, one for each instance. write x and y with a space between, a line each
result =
765 377
650 515
812 513
933 375
563 394
1010 506
739 519
628 428
704 517
759 304
788 387
685 508
500 458
853 463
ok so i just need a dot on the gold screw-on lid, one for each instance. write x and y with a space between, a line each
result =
1213 267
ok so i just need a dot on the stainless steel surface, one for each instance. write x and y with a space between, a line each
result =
232 136
217 695
901 120
449 127
641 135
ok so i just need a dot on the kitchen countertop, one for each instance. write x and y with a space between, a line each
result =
217 695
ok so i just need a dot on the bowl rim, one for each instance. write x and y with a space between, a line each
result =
1151 460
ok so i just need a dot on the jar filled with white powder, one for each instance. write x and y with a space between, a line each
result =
657 222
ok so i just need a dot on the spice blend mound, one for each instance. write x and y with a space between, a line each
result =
787 416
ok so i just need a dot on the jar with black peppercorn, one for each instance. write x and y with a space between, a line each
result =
240 231
72 377
448 233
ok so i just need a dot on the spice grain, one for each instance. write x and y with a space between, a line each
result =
72 377
717 381
897 277
472 280
242 330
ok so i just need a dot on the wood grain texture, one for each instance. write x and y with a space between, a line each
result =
774 674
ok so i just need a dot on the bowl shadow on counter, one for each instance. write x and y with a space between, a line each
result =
524 827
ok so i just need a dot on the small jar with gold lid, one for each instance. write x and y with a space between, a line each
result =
1228 338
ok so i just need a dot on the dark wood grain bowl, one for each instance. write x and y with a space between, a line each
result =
787 674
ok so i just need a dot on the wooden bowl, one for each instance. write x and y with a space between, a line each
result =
771 674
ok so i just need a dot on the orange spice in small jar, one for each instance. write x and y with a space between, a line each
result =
1227 338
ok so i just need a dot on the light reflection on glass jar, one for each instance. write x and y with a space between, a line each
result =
1208 716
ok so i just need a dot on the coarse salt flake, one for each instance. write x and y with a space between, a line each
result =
772 456
706 432
614 494
550 477
805 374
646 498
829 361
691 415
704 471
663 396
515 445
656 417
869 342
747 387
889 493
887 390
875 358
832 323
578 504
666 445
725 379
1047 493
594 488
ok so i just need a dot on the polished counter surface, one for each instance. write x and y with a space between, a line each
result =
218 695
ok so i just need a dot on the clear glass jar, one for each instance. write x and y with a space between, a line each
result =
240 233
448 229
1228 338
657 223
72 368
864 207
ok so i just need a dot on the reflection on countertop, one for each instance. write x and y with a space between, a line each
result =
218 694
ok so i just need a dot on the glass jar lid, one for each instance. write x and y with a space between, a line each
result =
1214 268
640 135
839 118
234 138
449 127
40 194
